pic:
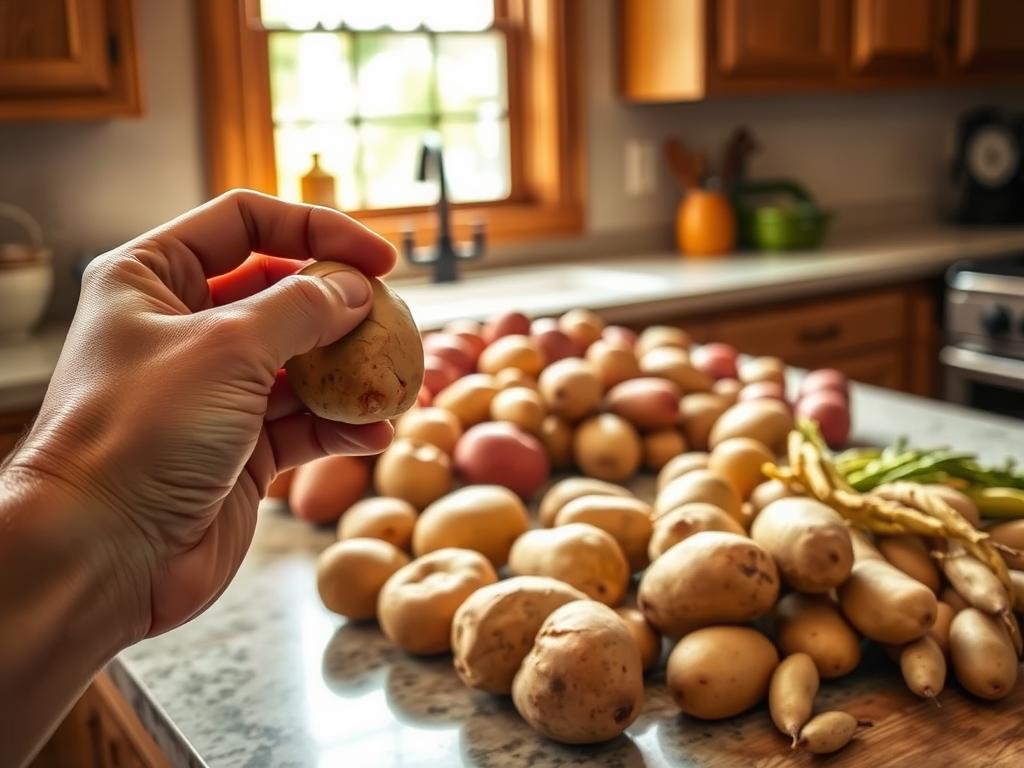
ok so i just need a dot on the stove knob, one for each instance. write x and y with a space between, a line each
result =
996 320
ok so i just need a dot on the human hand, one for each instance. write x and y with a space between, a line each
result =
168 414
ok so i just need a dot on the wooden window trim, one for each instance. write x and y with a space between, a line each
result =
548 168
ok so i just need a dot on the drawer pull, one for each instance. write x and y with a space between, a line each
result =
819 334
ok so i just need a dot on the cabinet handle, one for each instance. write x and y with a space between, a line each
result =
819 334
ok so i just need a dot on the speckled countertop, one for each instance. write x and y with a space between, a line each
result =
267 677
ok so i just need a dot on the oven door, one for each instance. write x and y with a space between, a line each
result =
980 380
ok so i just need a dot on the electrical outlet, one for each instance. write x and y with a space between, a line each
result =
641 172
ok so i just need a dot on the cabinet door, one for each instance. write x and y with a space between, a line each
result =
990 37
899 37
53 47
783 38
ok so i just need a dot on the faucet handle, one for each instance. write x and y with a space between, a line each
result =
476 248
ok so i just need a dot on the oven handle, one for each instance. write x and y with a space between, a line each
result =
983 367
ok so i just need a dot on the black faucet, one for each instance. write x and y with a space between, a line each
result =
446 255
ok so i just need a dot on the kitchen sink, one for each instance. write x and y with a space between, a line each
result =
535 291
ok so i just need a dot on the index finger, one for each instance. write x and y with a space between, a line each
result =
223 232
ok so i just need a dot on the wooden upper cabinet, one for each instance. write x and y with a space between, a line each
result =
782 38
67 59
990 37
897 37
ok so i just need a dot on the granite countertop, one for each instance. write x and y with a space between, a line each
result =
268 677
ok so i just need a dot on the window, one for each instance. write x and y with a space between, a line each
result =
361 84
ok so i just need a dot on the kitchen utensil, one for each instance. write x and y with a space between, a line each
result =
790 220
705 223
26 277
738 148
686 166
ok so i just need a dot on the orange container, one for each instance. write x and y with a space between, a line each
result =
705 224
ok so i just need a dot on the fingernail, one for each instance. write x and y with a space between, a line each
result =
354 287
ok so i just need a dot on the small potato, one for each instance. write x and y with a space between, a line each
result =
454 350
570 388
619 335
484 518
767 492
763 390
552 341
578 554
767 421
760 369
471 332
910 555
413 470
556 437
674 364
711 577
438 373
627 520
607 447
739 460
728 389
983 656
924 667
952 598
656 336
939 631
614 364
350 574
974 581
370 374
508 378
699 485
719 672
812 624
1010 534
661 447
582 326
680 465
831 411
828 732
582 682
512 351
323 489
520 406
791 694
496 626
506 324
682 522
417 604
469 398
379 517
436 426
885 604
499 453
809 541
564 491
698 413
644 635
827 379
646 403
716 359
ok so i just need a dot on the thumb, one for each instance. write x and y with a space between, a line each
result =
305 311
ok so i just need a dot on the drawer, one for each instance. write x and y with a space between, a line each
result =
819 327
884 367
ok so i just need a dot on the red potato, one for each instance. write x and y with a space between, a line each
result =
423 397
717 360
552 341
825 378
471 332
646 403
438 373
763 390
498 453
506 324
620 336
323 489
454 349
830 409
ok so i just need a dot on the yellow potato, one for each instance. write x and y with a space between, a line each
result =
644 635
379 517
885 604
495 627
763 369
812 624
828 732
513 377
924 667
809 541
983 656
570 388
952 598
413 470
1010 534
656 336
582 326
719 672
680 465
417 604
484 518
350 575
767 492
712 577
728 390
739 460
684 521
939 631
520 406
578 554
910 555
564 491
513 351
974 581
767 421
698 413
698 485
582 682
436 426
627 520
661 447
372 373
791 693
613 364
556 437
607 447
674 364
469 398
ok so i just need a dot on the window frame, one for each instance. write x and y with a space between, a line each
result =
547 162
